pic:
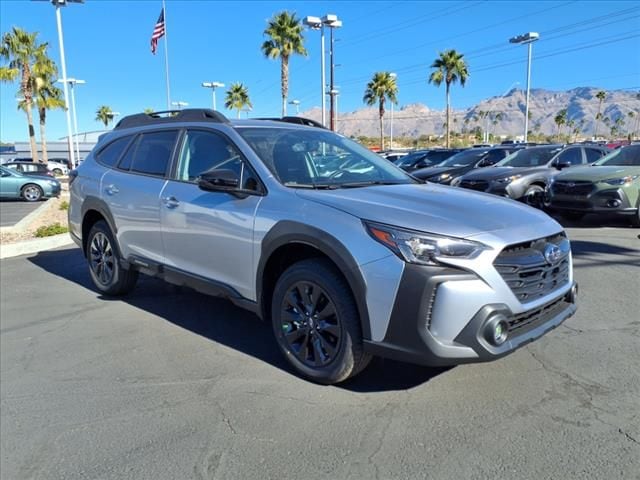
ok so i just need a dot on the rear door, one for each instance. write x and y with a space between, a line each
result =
210 234
132 192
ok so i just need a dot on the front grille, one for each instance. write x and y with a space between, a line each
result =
523 322
480 185
566 187
528 273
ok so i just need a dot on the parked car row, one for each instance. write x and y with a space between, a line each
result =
54 166
552 177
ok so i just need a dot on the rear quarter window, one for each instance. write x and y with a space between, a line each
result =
110 154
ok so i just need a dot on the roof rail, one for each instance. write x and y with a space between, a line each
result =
172 116
297 120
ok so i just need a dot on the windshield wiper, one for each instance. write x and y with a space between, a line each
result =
365 184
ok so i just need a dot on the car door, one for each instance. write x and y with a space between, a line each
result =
132 193
210 234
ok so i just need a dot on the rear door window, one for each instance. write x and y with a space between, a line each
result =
593 154
571 155
153 152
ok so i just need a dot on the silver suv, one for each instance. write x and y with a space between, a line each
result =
344 253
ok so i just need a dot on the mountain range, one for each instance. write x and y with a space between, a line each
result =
581 103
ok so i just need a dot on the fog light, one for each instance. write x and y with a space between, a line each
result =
496 330
613 203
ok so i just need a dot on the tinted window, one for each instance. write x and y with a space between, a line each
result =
625 156
571 155
153 152
496 155
206 151
109 155
464 158
127 159
593 154
435 158
530 157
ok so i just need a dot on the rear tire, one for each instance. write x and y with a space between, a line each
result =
32 192
103 256
316 323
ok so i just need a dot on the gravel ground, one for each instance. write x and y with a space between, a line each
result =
169 384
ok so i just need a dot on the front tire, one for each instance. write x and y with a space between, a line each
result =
316 322
103 256
32 192
534 196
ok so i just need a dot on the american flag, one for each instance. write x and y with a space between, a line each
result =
158 32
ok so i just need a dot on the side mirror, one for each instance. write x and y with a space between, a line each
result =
561 165
221 180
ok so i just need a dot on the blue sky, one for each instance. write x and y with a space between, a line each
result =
583 43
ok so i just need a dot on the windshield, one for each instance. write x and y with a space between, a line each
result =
320 159
529 157
410 159
625 156
463 159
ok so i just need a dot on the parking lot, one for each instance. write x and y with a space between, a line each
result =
170 384
12 211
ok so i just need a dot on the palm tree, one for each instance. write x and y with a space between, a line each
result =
237 97
18 48
560 119
285 39
601 95
47 95
450 68
148 110
496 118
105 115
381 88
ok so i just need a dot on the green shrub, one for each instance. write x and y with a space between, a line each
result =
49 230
64 205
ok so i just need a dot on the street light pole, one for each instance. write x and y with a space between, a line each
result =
297 105
180 104
65 88
526 39
213 86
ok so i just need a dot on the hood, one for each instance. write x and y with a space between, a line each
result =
433 208
492 173
598 173
433 171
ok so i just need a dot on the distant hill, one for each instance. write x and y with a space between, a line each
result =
418 119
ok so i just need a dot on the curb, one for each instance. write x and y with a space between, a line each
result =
35 246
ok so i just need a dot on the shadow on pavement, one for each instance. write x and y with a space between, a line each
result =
222 322
594 221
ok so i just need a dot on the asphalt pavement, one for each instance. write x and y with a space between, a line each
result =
12 211
170 384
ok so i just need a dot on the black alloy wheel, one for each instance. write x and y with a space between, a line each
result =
312 330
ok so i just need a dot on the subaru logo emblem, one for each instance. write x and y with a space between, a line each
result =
571 184
552 253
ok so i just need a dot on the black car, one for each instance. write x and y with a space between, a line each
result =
425 158
29 168
524 174
463 162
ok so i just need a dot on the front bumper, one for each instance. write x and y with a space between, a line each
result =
609 200
53 191
417 333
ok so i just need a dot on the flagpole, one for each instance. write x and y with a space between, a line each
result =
166 55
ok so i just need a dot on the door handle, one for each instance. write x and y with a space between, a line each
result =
170 202
111 190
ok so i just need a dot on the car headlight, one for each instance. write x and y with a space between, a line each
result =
621 181
456 181
508 179
423 248
442 178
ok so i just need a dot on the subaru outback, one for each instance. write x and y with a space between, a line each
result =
344 253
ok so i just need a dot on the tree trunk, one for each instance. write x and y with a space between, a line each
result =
43 138
595 134
381 115
284 79
32 134
448 114
238 116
